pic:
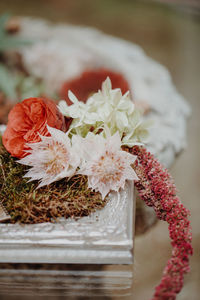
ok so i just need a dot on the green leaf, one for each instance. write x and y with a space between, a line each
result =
9 41
16 86
8 83
3 20
30 87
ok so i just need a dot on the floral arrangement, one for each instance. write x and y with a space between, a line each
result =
98 144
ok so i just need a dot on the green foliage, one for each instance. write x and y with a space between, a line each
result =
8 41
30 87
8 82
16 85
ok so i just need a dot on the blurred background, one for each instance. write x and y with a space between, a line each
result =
169 32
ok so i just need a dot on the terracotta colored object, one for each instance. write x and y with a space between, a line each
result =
90 82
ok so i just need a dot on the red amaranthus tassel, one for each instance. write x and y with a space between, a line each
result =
157 189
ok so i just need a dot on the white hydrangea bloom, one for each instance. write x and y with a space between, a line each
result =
113 108
79 111
109 108
51 159
106 165
137 131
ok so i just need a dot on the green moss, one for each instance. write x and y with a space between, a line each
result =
29 205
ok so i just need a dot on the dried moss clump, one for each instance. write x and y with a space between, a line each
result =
27 205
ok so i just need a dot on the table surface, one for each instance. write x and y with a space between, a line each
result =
171 37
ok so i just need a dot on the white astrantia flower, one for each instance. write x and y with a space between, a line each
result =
51 159
106 165
108 107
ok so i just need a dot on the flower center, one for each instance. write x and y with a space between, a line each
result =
58 158
110 167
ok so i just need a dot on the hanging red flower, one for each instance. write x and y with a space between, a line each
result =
157 189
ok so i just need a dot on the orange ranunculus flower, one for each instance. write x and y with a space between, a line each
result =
27 120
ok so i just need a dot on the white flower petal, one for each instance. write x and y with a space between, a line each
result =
51 159
73 98
121 120
106 86
109 107
109 167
